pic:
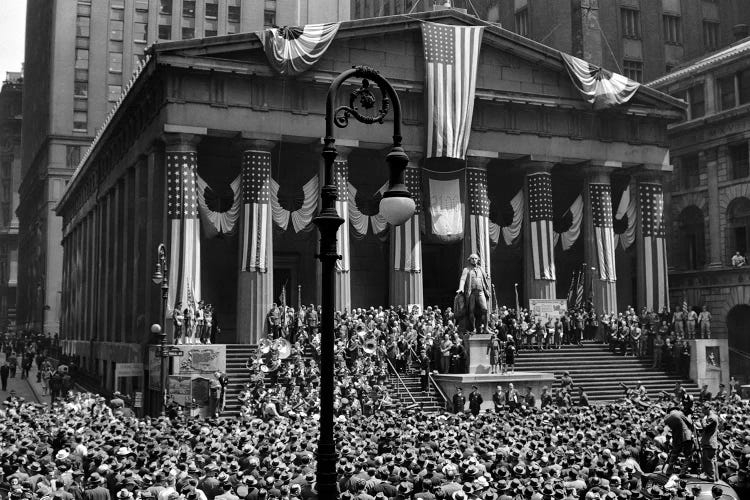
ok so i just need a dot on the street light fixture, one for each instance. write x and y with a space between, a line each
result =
159 332
161 277
397 207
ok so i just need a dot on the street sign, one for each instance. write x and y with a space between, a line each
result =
138 400
174 351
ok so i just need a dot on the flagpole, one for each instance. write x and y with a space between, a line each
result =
518 306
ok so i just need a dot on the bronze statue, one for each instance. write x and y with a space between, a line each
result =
475 288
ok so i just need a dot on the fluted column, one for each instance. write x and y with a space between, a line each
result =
599 240
652 267
538 235
255 280
342 275
405 263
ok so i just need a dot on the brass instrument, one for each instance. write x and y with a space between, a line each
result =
283 347
265 345
273 365
371 346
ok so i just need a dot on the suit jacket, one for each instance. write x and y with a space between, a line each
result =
465 283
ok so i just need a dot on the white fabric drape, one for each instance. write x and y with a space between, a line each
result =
219 222
301 217
599 87
293 50
513 231
570 236
626 208
360 222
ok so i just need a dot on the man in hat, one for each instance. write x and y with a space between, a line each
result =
709 443
459 400
475 401
682 436
95 489
4 373
475 286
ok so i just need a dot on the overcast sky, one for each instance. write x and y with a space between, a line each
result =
12 27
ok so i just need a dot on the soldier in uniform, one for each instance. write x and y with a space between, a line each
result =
459 401
475 401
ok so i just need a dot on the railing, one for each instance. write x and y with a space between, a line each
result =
401 382
432 381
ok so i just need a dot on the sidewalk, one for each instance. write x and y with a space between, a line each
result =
24 388
36 387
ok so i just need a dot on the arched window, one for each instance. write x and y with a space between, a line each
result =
738 226
691 238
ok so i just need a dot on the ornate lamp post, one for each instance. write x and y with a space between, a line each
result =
161 277
397 207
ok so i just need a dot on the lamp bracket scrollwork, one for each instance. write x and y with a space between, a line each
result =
367 100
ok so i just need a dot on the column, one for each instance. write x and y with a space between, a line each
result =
599 240
651 259
183 226
342 278
714 209
477 221
255 280
538 236
405 281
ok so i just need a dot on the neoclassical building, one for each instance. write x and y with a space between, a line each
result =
710 192
207 119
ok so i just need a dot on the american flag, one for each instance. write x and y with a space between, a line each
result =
451 54
601 211
540 217
479 212
407 243
651 199
341 173
184 243
256 180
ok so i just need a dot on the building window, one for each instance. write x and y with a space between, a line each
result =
117 4
83 26
165 7
269 18
116 14
210 33
739 156
743 83
633 70
115 30
631 23
113 92
165 32
738 225
141 5
83 10
672 29
690 171
115 62
234 13
233 28
212 10
82 42
82 59
140 32
81 89
726 92
80 105
696 101
188 8
522 22
80 121
188 33
710 35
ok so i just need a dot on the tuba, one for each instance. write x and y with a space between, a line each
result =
265 346
371 346
283 347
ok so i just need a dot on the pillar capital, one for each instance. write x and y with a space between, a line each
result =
599 171
264 145
415 156
479 162
178 141
649 173
343 152
533 166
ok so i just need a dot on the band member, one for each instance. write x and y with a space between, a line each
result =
475 285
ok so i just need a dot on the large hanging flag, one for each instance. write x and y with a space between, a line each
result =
599 87
219 216
626 209
479 213
651 200
444 197
451 54
407 239
256 178
601 211
184 242
540 219
292 50
341 173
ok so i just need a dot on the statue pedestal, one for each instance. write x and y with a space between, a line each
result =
709 363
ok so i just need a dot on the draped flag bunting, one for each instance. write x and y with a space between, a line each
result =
479 212
513 231
580 285
626 208
293 50
540 219
184 242
302 217
217 222
360 222
598 86
256 176
444 197
573 291
601 211
654 246
451 54
341 172
407 237
570 236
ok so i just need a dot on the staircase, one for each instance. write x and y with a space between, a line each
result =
428 401
600 372
237 356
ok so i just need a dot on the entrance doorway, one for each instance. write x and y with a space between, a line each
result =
285 277
441 265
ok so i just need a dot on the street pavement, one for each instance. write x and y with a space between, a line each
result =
23 388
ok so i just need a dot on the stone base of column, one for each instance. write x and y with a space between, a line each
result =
405 288
343 287
540 289
254 299
605 296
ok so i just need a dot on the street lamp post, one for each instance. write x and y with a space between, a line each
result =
161 277
397 207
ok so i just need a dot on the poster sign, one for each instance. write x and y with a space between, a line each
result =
547 309
138 400
201 359
128 370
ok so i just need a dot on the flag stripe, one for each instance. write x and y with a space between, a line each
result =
256 195
651 198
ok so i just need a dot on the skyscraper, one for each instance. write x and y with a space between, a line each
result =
79 55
